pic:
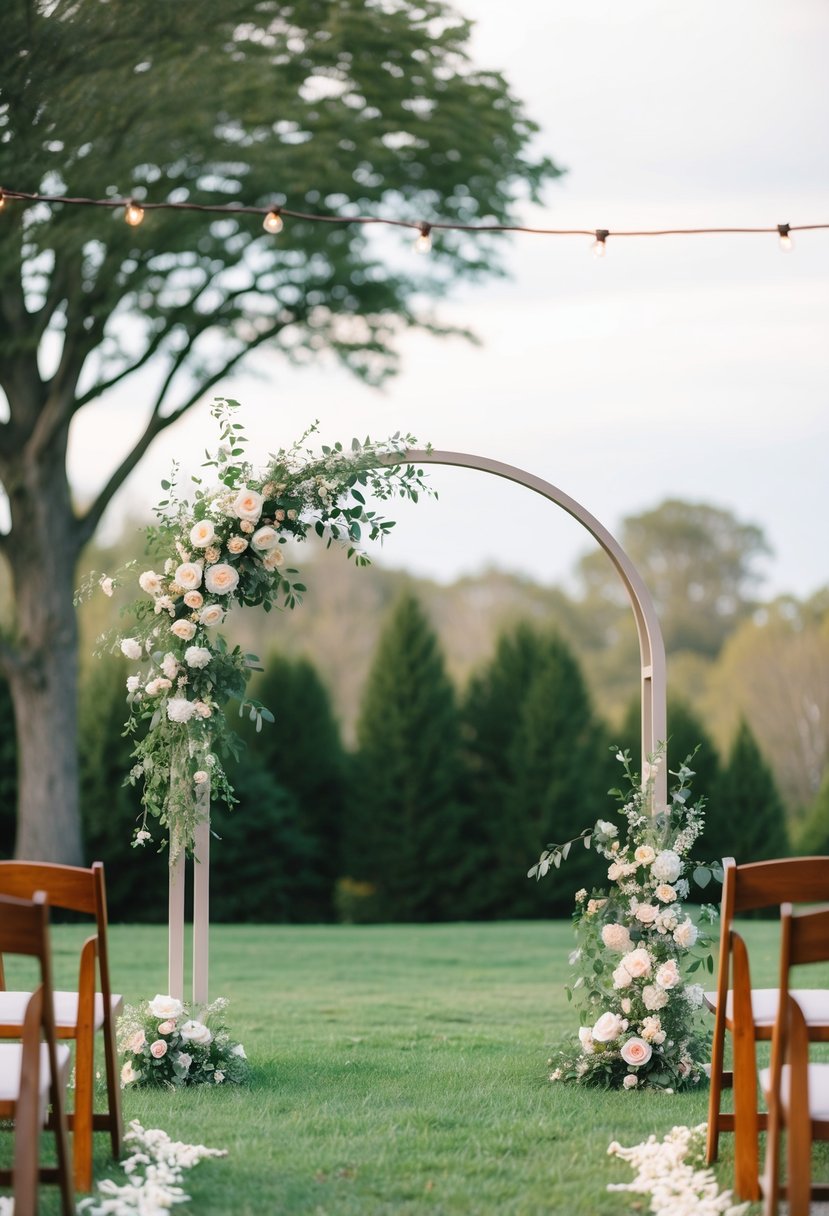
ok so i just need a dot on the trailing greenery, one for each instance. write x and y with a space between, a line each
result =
397 1071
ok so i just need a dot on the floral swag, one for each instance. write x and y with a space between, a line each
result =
225 547
637 944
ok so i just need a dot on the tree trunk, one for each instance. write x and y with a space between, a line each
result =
42 553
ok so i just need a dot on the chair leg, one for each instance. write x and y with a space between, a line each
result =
746 1122
116 1118
26 1142
715 1091
82 1117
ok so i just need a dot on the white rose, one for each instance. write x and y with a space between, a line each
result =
106 585
221 579
180 710
128 1074
150 582
665 893
667 976
615 870
248 505
130 648
194 599
160 684
586 1040
626 1004
667 866
637 963
630 1081
169 665
622 977
644 855
133 683
202 533
616 937
197 656
264 539
605 828
646 914
273 559
686 933
239 1050
164 604
196 1032
212 615
218 1076
165 1007
189 575
183 629
608 1028
184 1059
654 998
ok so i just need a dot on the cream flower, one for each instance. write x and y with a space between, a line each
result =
644 855
686 933
248 505
200 776
183 629
164 1007
636 1051
197 656
654 998
202 709
637 963
133 683
166 1027
646 913
264 539
130 648
202 533
107 586
221 579
607 1028
667 866
169 665
616 937
667 976
247 527
273 559
196 1032
622 977
652 1031
128 1074
237 544
164 603
239 1050
160 684
189 575
150 582
179 709
136 1041
630 1081
586 1040
194 599
665 893
212 615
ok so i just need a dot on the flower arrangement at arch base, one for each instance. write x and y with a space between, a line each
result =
164 1044
641 1024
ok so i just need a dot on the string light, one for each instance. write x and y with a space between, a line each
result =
599 246
423 244
273 221
133 214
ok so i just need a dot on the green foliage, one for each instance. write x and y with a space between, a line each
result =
751 819
303 753
404 830
814 835
534 757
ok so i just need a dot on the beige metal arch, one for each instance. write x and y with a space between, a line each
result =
653 699
651 645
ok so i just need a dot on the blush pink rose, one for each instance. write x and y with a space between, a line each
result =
636 1051
158 1049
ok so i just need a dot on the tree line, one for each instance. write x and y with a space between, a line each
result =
437 810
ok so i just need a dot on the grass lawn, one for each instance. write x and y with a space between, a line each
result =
396 1069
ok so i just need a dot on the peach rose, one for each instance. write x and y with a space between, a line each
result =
183 629
637 963
194 599
264 539
608 1028
202 533
248 504
668 975
221 579
237 545
212 615
188 576
636 1051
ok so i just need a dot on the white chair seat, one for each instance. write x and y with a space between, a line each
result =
13 1008
818 1089
11 1056
813 1001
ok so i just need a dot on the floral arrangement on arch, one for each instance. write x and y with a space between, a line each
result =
163 1044
637 944
221 548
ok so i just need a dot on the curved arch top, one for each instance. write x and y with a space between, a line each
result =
651 644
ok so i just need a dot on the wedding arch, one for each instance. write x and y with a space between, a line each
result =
653 690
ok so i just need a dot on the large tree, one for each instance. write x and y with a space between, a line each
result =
362 107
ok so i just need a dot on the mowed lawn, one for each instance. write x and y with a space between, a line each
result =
396 1069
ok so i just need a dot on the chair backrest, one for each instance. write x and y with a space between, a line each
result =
73 888
24 929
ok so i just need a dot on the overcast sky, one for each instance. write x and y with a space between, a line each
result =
693 367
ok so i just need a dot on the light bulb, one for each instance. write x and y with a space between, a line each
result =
786 242
423 244
273 222
133 214
599 246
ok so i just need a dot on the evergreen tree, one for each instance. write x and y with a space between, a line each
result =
537 768
814 836
403 833
752 818
303 752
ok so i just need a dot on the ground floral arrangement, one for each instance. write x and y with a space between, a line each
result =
673 1173
164 1044
637 945
220 548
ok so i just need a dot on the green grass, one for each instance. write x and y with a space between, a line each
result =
396 1069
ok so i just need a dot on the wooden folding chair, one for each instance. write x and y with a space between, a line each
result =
78 1014
797 1092
761 884
34 1072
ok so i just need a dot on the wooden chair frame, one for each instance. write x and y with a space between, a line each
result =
751 1017
797 1092
91 1007
36 1069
